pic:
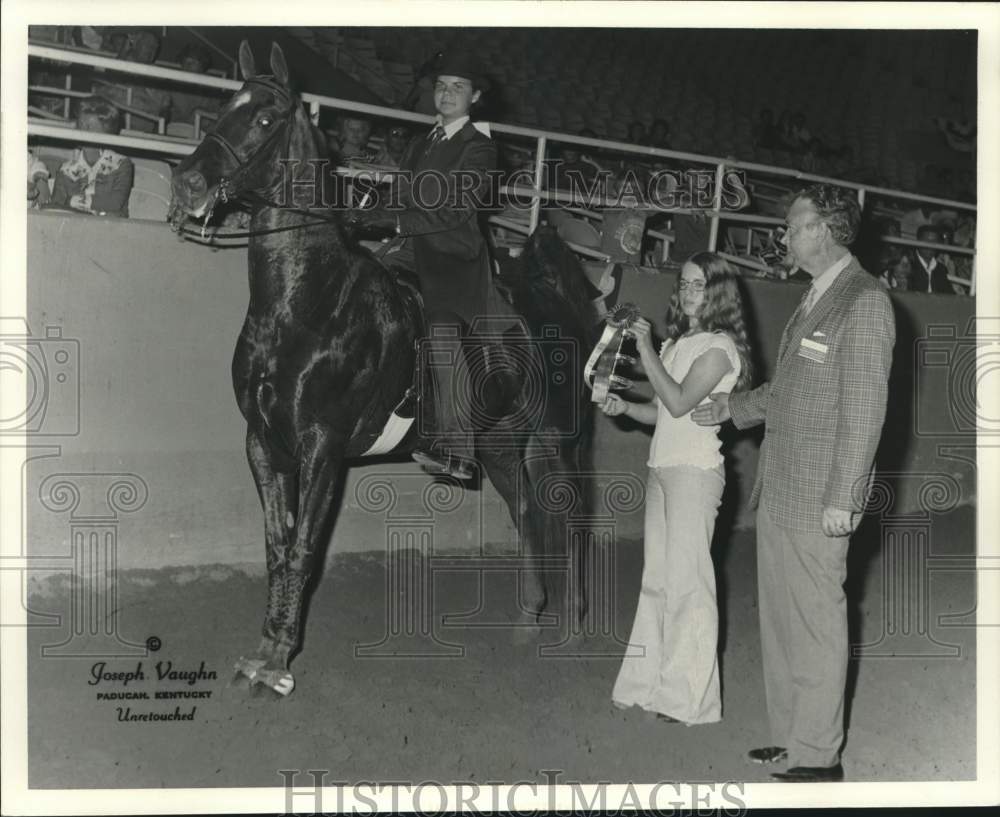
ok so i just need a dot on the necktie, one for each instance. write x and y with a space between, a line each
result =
810 301
436 136
803 309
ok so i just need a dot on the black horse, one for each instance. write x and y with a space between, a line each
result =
328 350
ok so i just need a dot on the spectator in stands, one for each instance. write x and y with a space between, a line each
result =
195 58
895 276
137 45
38 181
183 105
396 139
92 37
882 258
659 134
351 140
95 179
930 272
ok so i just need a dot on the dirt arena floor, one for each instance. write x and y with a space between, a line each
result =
484 708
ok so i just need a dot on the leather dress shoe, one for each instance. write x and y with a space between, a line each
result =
811 774
443 464
767 754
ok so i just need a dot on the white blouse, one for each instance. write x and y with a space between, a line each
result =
680 440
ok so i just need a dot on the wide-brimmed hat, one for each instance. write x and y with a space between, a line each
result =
461 65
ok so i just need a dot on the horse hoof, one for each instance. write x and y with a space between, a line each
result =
264 693
245 670
278 682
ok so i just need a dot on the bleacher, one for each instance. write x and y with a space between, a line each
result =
877 94
602 80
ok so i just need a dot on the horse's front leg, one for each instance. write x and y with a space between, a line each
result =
278 494
321 456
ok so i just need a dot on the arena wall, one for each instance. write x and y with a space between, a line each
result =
133 330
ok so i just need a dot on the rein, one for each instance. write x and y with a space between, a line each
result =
318 220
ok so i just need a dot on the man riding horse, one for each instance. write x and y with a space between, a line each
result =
446 181
326 355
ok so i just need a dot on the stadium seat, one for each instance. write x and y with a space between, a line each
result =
150 198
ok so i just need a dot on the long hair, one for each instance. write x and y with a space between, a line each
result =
721 311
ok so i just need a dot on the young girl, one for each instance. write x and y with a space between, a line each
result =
671 666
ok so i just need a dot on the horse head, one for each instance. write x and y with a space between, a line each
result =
240 154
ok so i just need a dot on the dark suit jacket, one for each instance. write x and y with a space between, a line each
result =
825 404
939 277
441 213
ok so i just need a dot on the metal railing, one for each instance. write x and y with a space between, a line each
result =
128 109
542 138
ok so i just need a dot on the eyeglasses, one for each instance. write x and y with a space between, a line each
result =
694 286
789 229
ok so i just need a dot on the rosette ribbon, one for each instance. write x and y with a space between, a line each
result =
599 373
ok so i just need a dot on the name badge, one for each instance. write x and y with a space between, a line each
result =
813 350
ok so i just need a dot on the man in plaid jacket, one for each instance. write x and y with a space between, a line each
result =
823 411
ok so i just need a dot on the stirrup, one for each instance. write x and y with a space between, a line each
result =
443 464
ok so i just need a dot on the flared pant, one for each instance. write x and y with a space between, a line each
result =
671 665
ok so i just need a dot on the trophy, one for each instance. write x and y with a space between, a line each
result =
599 373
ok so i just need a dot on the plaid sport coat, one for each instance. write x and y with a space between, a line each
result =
825 405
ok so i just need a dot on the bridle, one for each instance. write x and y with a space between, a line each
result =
244 165
228 186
